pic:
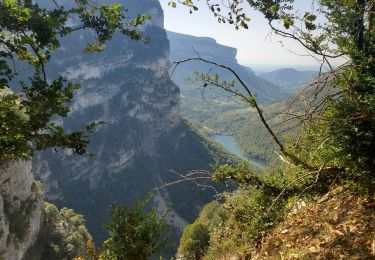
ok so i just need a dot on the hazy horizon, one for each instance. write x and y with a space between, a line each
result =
257 47
260 68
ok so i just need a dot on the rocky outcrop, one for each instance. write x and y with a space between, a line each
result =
187 46
144 137
20 209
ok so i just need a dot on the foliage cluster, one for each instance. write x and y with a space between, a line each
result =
242 218
195 240
66 233
135 233
30 33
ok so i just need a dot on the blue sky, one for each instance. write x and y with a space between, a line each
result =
256 46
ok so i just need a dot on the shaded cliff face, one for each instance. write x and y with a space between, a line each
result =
20 209
128 87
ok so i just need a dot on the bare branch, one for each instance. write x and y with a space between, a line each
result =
253 103
193 176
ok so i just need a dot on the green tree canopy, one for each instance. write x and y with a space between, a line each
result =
135 232
194 241
29 34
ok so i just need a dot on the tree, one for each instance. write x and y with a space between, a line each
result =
135 233
66 234
196 237
29 35
194 241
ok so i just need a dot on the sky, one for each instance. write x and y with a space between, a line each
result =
257 47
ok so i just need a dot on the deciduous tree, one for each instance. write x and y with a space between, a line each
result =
29 34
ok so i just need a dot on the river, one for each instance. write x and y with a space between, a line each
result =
228 142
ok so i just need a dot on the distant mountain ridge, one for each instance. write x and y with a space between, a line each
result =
205 46
291 80
184 46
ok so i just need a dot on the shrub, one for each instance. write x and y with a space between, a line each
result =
194 241
134 233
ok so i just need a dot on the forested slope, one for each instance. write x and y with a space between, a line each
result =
318 203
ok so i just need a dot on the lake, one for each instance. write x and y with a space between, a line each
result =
228 142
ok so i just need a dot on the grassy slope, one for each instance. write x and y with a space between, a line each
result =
338 225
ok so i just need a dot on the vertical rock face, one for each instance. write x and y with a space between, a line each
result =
20 209
144 137
186 46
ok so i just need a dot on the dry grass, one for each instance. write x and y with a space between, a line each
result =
341 225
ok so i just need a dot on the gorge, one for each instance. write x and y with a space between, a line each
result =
143 138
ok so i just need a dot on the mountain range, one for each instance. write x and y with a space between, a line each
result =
215 110
201 103
291 80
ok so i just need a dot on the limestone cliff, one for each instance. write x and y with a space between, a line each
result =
187 46
20 209
144 137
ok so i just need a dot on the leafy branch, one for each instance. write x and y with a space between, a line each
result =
30 34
